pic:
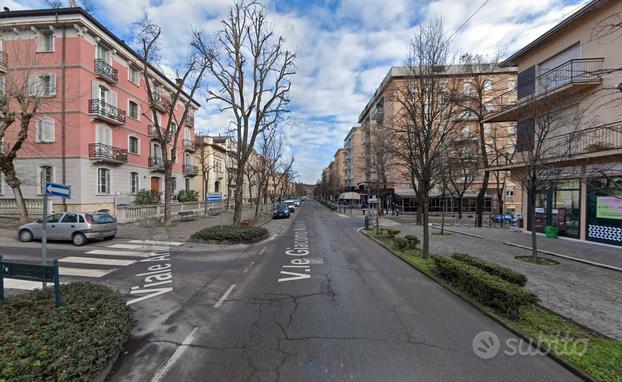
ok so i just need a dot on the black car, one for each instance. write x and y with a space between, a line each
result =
281 211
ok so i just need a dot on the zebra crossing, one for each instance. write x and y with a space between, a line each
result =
97 262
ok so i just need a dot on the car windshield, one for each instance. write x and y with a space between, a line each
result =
102 218
281 206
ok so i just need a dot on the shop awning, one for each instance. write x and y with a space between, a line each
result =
349 196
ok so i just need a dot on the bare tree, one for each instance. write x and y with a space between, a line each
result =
462 166
176 105
253 69
270 152
23 95
425 116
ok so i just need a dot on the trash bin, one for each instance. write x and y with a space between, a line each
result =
551 232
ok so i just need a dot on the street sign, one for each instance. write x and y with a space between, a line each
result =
56 189
373 200
212 198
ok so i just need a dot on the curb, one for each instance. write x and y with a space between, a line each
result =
458 232
588 262
539 346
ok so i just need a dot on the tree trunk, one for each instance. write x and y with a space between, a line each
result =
257 203
426 229
168 193
460 198
13 181
239 192
480 200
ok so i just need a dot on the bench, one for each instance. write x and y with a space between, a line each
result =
214 211
191 215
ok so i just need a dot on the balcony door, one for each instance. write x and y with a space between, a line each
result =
103 138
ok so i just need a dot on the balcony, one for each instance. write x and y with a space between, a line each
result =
153 133
161 102
190 170
100 152
156 164
593 142
4 61
105 71
189 120
106 112
190 145
566 79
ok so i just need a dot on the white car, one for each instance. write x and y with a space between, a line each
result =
291 204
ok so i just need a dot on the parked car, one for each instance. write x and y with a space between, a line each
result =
297 202
291 204
281 211
78 227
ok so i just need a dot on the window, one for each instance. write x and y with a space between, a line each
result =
187 184
42 85
103 181
173 184
466 129
103 54
45 42
54 218
467 88
489 106
44 131
509 191
133 182
70 218
511 127
133 145
487 128
46 174
511 84
488 85
104 94
173 128
134 75
133 110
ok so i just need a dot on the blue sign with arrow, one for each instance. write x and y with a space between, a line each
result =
210 198
56 189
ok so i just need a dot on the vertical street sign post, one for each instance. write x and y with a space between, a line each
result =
51 189
214 198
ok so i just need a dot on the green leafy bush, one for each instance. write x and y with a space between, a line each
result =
391 232
413 241
400 243
329 205
492 291
231 234
147 197
71 343
187 196
493 269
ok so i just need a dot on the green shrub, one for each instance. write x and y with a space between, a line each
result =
400 243
489 290
187 196
391 232
413 241
147 197
72 343
231 234
494 269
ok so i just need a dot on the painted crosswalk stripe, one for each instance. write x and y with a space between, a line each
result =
82 272
138 247
25 284
156 242
95 261
107 252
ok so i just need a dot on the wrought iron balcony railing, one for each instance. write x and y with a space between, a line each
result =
153 133
156 163
106 111
190 170
4 60
109 153
106 71
190 145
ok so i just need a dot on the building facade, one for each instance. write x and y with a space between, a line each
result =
93 129
569 124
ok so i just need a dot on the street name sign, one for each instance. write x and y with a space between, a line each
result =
56 189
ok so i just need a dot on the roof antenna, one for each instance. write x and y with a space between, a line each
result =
72 3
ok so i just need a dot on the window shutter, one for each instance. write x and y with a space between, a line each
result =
52 89
113 98
526 82
525 135
51 130
38 131
33 82
94 90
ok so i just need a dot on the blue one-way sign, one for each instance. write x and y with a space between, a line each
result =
56 189
213 198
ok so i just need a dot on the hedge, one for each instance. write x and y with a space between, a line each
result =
492 291
231 234
72 343
494 269
327 204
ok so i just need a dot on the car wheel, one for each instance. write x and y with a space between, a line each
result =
25 235
79 239
109 237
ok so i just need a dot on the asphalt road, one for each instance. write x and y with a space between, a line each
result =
345 309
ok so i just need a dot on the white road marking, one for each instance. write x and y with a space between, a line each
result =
263 250
249 266
224 296
138 246
64 271
25 284
168 365
107 252
359 230
342 216
273 237
95 261
156 242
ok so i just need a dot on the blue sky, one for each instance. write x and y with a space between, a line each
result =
344 49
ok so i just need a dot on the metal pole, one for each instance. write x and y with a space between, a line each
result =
1 279
44 231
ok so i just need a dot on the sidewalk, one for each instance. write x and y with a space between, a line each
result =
589 295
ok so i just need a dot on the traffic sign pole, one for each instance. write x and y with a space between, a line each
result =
44 232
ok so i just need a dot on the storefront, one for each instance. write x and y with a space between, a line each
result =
604 210
560 206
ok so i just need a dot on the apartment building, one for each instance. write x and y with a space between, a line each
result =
356 158
388 178
571 75
339 161
93 129
211 159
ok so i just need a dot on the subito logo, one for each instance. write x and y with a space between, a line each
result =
486 345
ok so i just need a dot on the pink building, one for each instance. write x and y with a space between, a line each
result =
93 129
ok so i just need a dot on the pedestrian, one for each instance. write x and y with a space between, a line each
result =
397 211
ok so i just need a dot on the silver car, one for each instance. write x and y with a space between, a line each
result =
75 226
